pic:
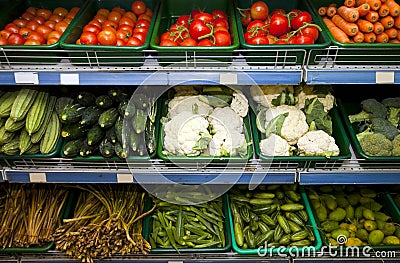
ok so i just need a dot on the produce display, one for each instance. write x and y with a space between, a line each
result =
29 123
205 121
270 214
378 126
93 124
29 214
363 21
295 120
118 26
188 226
107 220
37 26
264 26
199 28
356 213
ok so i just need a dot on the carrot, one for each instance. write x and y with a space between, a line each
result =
374 4
378 28
365 26
372 16
391 32
349 3
331 11
363 9
384 10
350 14
397 22
394 41
359 37
336 32
370 37
387 22
394 8
382 38
322 10
349 28
383 1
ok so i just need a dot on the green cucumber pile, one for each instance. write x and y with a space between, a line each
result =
93 124
272 215
28 122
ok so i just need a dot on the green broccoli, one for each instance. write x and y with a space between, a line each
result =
375 108
385 127
391 102
396 146
362 116
375 144
394 116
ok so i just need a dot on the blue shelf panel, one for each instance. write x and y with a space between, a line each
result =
350 76
320 178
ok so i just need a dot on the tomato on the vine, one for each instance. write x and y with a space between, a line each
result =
245 18
221 22
277 11
258 40
188 42
205 43
183 20
168 43
279 25
198 29
259 10
310 30
303 39
222 38
205 17
256 24
298 20
195 12
219 14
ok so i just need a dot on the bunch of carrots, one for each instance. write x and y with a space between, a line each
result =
363 21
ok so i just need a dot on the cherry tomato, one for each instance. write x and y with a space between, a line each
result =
222 38
91 28
168 43
61 11
301 18
107 37
188 42
303 39
198 29
15 39
262 40
88 38
245 18
279 25
45 13
44 30
3 41
221 22
219 14
123 34
310 30
36 37
142 23
138 7
133 41
259 10
32 25
205 43
205 17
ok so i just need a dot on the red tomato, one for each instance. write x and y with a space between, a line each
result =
281 42
220 28
130 15
95 22
31 10
183 20
12 27
15 39
219 14
61 26
3 41
245 18
88 38
126 21
119 10
255 24
61 11
36 37
114 16
5 33
222 38
277 11
167 36
279 25
259 10
125 27
133 41
68 20
297 21
44 30
144 17
40 20
140 36
168 43
32 25
32 42
120 43
303 39
55 18
28 16
123 34
205 43
24 32
310 30
50 24
221 22
52 40
142 23
20 22
45 13
149 12
138 7
198 29
54 34
143 30
195 12
100 18
107 37
205 17
258 40
109 23
103 12
188 42
91 28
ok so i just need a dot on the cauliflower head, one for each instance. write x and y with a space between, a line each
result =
294 125
240 104
187 103
311 92
226 142
275 145
264 94
317 143
226 117
183 131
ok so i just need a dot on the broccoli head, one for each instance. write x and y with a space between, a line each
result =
375 108
391 102
396 146
385 127
362 116
375 144
394 116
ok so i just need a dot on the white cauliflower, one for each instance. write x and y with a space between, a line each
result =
224 142
187 103
227 118
293 127
183 131
275 145
309 92
317 143
185 91
240 104
264 94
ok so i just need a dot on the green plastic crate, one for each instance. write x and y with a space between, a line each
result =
147 226
311 222
16 10
202 159
338 133
105 55
170 10
64 213
286 52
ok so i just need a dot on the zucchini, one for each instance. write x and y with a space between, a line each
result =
5 136
104 101
37 113
118 94
73 131
139 121
51 136
13 126
150 137
72 148
108 118
86 99
71 113
126 109
90 115
22 104
95 135
61 103
120 151
37 136
24 142
106 148
87 150
12 147
6 102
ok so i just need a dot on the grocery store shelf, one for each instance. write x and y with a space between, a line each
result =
346 260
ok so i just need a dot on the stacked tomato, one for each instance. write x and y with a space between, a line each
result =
277 27
118 27
37 26
199 29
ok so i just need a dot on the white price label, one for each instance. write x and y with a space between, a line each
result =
124 178
69 79
386 77
37 177
175 261
26 78
228 78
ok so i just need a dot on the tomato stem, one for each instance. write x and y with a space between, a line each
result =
211 34
242 11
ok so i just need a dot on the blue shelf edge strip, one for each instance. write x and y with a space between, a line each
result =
320 178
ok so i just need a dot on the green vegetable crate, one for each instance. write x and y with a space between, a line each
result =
105 55
202 159
147 226
338 133
286 54
170 10
354 54
27 54
281 250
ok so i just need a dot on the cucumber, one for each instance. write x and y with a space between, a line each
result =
118 94
51 136
22 103
37 136
95 135
34 149
86 99
12 147
90 115
126 109
2 122
119 124
134 140
108 118
150 137
24 142
87 150
6 102
71 113
104 101
62 102
13 126
110 134
141 101
5 136
106 148
73 131
139 121
72 148
37 113
120 151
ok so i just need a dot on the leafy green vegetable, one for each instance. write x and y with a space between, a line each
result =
275 125
203 142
